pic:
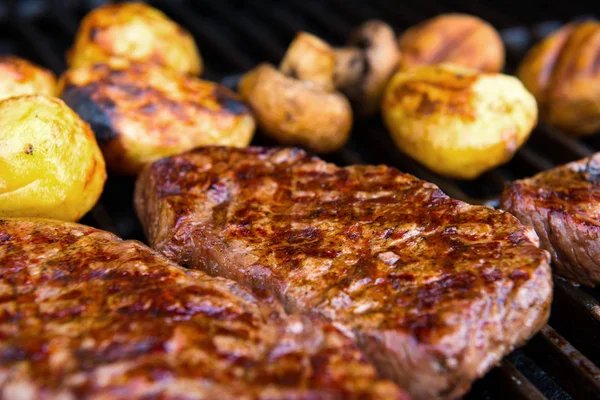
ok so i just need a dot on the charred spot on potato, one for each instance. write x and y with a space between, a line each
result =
94 33
95 114
29 149
229 102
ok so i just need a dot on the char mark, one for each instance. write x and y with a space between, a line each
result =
94 113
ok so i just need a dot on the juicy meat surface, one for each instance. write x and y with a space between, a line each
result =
563 206
435 291
85 315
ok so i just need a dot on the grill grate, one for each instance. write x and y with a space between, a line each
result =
234 35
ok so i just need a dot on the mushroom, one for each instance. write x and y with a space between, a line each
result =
297 112
310 59
364 66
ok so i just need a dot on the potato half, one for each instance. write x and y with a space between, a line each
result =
19 77
140 112
456 121
50 163
295 112
134 31
563 73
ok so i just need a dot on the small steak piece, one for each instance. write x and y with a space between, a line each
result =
86 315
563 206
436 291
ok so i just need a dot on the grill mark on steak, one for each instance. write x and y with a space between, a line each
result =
384 255
128 323
563 205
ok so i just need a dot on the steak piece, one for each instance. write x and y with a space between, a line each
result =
563 206
436 291
87 315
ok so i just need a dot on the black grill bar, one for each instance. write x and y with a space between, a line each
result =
324 17
268 44
37 43
576 314
572 370
205 33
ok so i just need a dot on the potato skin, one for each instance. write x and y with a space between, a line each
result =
20 77
137 32
141 113
456 121
563 73
294 112
460 39
50 163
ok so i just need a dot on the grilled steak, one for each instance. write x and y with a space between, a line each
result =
563 206
436 291
87 315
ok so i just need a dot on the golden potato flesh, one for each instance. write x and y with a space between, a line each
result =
140 112
19 77
50 163
137 32
456 121
295 112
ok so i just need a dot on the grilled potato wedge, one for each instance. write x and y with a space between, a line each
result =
141 112
456 121
19 77
296 112
137 32
50 163
563 73
459 39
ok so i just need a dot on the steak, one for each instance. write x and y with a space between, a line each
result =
87 315
563 206
435 291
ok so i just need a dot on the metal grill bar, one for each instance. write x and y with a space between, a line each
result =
571 369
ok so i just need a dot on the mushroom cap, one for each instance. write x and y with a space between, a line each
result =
296 112
365 65
310 59
459 39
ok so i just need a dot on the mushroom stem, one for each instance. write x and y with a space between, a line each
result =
349 66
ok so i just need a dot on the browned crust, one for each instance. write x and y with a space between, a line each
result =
563 72
452 38
141 113
435 290
85 314
21 77
563 206
134 31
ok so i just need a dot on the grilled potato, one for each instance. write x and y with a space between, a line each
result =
296 112
141 112
134 31
456 121
19 77
459 39
50 163
563 73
